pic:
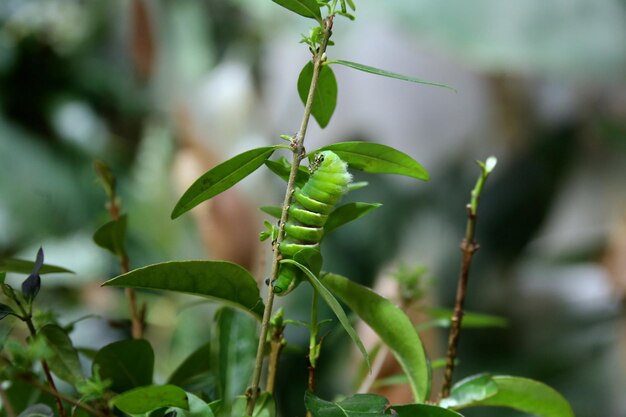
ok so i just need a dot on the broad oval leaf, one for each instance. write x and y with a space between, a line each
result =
65 363
521 394
306 8
423 410
25 267
197 408
378 71
325 98
195 365
111 235
392 326
219 280
359 405
145 399
377 159
222 177
127 363
334 305
347 213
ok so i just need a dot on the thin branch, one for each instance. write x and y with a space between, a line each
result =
8 407
62 397
468 248
297 146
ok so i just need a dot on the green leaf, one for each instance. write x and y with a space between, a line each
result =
470 319
197 408
24 267
219 280
377 159
111 236
3 276
265 406
423 410
359 405
272 211
347 213
282 168
222 177
238 342
334 305
145 399
392 326
471 390
65 363
306 8
127 363
37 410
5 310
195 365
378 71
325 98
521 394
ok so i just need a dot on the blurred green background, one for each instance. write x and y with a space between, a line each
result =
164 90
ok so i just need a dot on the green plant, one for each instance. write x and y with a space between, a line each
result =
122 372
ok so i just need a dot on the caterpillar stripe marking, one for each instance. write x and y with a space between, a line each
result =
308 214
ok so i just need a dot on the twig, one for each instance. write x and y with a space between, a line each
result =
468 248
297 146
8 407
60 396
277 343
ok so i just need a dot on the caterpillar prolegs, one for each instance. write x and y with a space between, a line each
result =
308 214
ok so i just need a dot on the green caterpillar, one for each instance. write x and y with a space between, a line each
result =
308 214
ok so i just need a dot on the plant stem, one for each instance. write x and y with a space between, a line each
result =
46 369
8 407
297 147
314 347
468 248
137 324
59 396
277 343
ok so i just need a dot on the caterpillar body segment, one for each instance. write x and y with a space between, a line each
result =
308 214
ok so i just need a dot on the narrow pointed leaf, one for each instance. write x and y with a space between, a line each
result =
222 177
521 394
219 280
378 71
392 326
359 405
127 363
111 236
306 8
31 287
282 168
347 213
238 341
273 211
423 410
38 263
334 305
325 98
145 399
377 159
470 319
24 267
5 310
64 363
